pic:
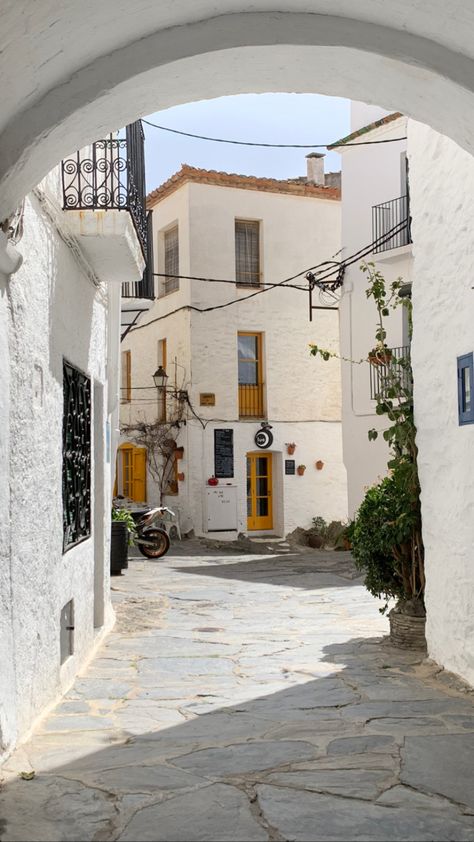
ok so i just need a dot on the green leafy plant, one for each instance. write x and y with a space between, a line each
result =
124 516
320 526
386 534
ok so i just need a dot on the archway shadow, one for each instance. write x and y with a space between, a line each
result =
352 754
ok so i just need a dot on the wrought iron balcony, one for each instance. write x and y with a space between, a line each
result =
384 375
109 175
145 288
391 224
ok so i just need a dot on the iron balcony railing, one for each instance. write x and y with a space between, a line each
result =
145 288
109 175
251 400
384 375
391 224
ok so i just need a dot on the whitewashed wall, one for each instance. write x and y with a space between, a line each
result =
370 175
302 394
442 192
55 312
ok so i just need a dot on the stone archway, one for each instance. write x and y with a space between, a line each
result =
93 69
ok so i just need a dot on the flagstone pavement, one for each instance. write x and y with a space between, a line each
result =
247 697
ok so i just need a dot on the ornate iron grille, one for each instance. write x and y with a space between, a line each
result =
76 456
109 175
146 287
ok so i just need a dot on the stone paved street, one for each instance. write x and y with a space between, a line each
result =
247 697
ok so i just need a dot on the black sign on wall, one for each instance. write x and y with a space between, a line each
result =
224 454
289 466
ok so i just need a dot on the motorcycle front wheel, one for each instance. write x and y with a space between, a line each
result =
160 540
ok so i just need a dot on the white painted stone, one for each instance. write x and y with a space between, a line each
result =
92 69
302 395
442 190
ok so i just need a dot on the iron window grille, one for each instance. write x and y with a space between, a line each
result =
247 253
76 456
383 376
391 216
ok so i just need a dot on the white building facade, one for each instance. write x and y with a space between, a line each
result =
375 209
61 313
241 366
437 264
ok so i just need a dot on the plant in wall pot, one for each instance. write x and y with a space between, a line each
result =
386 534
301 469
290 448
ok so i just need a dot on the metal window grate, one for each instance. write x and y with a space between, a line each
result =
382 376
387 216
171 260
76 456
247 253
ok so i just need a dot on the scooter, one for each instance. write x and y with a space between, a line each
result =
152 541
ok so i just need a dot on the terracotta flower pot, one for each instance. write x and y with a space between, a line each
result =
319 465
382 356
300 470
290 449
181 476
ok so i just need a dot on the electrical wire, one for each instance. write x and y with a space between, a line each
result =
225 281
272 145
321 276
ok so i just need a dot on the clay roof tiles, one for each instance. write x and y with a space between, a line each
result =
389 118
245 182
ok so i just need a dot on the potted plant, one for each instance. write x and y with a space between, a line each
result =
318 533
290 448
319 465
122 533
380 355
300 470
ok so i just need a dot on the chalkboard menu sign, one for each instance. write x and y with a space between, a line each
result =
224 453
289 466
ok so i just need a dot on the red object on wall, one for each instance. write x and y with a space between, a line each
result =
213 481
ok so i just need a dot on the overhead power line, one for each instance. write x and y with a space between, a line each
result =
272 145
320 277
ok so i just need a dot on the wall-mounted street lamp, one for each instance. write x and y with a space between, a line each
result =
160 379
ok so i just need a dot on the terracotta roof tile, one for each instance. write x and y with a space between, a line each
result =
389 118
245 182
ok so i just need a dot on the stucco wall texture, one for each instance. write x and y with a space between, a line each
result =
55 312
442 191
303 395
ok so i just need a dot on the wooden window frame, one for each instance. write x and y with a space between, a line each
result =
259 386
169 280
258 223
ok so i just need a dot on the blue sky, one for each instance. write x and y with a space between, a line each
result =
268 118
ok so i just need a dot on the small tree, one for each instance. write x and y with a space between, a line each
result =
159 439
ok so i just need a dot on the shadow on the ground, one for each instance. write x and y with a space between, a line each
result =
297 571
320 760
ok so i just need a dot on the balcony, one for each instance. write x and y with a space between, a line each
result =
138 296
103 192
383 375
251 400
391 224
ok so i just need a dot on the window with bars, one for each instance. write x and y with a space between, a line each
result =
76 456
247 253
171 248
250 371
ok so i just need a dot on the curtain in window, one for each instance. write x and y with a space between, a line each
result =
171 259
247 253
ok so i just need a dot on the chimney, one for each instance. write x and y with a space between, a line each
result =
315 168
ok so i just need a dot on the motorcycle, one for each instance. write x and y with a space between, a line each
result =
152 541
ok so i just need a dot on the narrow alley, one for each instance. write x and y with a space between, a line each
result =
247 697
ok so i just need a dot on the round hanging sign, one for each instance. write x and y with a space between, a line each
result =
263 439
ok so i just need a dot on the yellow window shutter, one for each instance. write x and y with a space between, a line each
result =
139 474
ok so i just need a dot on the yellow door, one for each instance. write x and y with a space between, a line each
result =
259 491
131 473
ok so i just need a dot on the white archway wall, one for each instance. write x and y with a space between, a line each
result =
442 205
83 79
